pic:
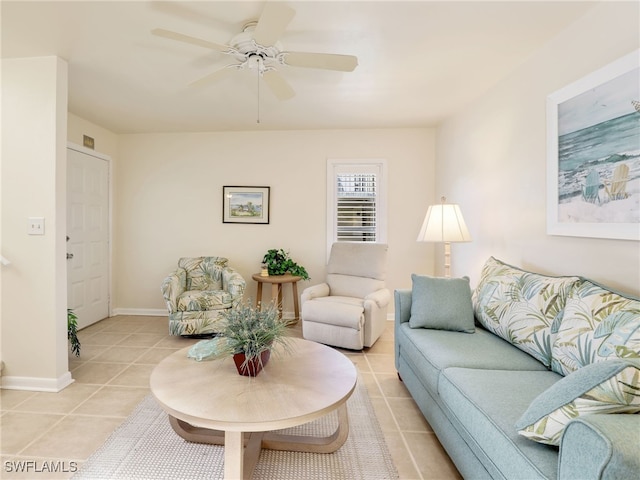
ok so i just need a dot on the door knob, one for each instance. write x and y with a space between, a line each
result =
69 256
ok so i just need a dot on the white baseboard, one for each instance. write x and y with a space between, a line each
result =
159 312
147 312
37 384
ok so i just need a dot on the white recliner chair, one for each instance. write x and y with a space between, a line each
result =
349 310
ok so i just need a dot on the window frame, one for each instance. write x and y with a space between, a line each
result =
367 166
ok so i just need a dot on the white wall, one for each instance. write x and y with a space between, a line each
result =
33 297
169 195
491 159
106 142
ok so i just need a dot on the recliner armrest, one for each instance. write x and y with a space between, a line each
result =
602 446
382 297
315 291
172 287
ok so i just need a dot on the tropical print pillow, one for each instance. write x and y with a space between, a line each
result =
598 324
522 307
605 387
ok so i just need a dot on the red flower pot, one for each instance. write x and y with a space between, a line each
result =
252 367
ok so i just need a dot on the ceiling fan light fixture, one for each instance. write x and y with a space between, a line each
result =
255 62
257 48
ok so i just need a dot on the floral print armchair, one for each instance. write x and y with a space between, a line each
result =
198 291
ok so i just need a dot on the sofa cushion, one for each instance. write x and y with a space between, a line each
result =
612 386
429 351
441 303
483 405
598 324
522 307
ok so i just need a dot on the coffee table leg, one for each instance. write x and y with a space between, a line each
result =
272 441
305 443
196 434
233 456
245 456
252 453
240 461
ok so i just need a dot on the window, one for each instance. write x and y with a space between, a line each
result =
356 207
356 201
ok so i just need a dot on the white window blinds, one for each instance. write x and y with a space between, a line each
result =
356 201
356 207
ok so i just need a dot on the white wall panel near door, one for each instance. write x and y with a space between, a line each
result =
88 233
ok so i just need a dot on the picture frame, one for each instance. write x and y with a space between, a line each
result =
245 204
593 154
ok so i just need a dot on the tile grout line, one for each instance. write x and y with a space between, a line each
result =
395 421
66 415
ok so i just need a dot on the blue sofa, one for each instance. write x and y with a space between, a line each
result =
475 382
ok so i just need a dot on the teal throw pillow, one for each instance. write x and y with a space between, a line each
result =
609 386
441 304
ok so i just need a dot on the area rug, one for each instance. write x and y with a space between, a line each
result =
146 447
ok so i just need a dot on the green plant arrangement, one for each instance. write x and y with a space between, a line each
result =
251 333
72 332
279 262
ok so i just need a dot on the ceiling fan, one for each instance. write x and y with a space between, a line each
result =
257 48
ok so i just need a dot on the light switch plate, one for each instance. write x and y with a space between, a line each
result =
35 225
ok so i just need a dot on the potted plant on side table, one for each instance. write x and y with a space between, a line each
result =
251 333
279 262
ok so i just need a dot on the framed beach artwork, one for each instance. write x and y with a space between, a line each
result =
593 158
245 204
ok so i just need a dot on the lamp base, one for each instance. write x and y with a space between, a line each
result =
447 259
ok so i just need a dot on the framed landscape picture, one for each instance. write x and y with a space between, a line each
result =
245 204
593 158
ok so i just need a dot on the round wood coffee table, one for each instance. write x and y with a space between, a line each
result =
209 402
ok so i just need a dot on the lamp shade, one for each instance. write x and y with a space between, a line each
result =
444 223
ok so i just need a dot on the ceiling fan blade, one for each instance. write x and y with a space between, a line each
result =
327 61
215 76
278 85
180 37
273 21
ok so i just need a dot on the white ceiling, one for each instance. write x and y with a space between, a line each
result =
419 61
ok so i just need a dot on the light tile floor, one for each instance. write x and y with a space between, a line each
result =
47 435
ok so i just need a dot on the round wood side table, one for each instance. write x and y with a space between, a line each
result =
277 281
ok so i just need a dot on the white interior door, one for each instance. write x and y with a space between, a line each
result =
88 236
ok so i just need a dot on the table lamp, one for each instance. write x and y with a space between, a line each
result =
444 223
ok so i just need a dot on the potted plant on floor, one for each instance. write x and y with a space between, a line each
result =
72 332
250 335
279 262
